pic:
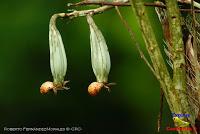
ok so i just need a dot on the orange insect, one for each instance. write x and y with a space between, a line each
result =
95 87
48 86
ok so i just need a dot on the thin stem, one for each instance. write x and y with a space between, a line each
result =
194 29
196 4
101 3
125 23
86 3
83 13
154 51
194 34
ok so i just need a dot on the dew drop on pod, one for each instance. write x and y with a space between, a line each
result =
58 59
100 59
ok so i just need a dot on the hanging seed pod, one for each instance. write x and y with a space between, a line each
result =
58 59
99 52
100 58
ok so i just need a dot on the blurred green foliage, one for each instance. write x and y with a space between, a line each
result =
131 107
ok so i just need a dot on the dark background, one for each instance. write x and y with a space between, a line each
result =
131 107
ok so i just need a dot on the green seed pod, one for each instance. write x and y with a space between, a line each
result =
100 57
58 59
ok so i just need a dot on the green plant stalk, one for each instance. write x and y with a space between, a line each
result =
178 58
157 60
153 49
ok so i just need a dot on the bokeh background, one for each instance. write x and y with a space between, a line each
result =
131 107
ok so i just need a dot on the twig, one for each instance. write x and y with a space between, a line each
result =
82 13
195 4
189 10
164 6
135 42
86 3
194 29
99 3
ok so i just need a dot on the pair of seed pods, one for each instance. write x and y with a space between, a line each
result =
100 59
